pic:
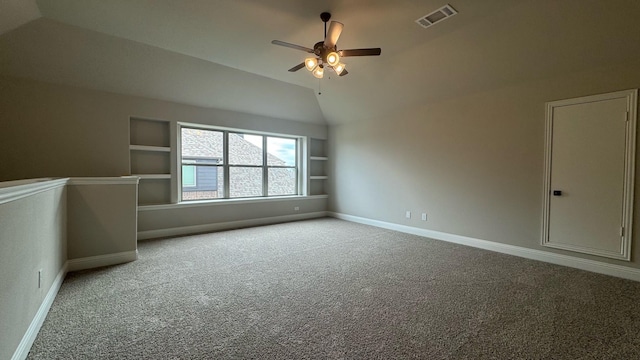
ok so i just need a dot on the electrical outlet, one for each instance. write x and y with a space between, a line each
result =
424 216
408 215
296 208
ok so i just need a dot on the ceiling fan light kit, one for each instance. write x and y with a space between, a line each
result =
325 53
333 58
318 71
317 65
339 68
310 63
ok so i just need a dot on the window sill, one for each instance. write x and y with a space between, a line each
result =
222 202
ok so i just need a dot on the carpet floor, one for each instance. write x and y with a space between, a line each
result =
330 289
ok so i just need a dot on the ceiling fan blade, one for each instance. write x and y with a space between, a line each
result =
335 29
297 67
293 46
344 72
360 52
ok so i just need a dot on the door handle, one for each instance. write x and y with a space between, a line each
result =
557 192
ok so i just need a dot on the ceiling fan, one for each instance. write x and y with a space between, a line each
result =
325 53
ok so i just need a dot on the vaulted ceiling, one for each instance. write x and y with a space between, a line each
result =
219 53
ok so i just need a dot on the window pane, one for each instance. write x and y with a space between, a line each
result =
208 183
245 149
204 145
282 181
245 181
188 175
281 151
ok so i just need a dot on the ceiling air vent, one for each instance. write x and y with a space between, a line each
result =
436 16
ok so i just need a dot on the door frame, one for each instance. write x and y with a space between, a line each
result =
631 97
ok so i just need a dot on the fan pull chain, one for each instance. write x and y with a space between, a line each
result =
319 87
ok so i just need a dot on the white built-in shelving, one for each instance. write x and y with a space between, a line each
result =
153 176
149 148
317 166
150 155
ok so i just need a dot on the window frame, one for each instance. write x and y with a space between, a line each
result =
226 166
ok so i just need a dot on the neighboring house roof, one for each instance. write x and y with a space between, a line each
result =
201 143
208 144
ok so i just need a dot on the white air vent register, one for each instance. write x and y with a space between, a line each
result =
436 16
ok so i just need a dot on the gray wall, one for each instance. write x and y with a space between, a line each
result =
102 219
190 216
473 163
28 244
89 221
51 130
50 51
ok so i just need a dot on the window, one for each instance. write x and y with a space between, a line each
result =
222 164
282 172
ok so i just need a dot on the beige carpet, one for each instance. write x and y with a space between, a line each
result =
330 289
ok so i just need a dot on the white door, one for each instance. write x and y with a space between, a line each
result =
589 185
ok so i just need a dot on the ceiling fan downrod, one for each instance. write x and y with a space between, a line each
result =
325 16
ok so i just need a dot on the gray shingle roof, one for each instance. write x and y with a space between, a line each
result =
208 144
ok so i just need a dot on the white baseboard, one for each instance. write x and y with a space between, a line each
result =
32 331
195 229
101 260
553 258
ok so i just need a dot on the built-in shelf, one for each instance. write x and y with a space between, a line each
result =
150 156
318 164
153 176
149 148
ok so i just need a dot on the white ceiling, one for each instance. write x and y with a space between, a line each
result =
211 53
